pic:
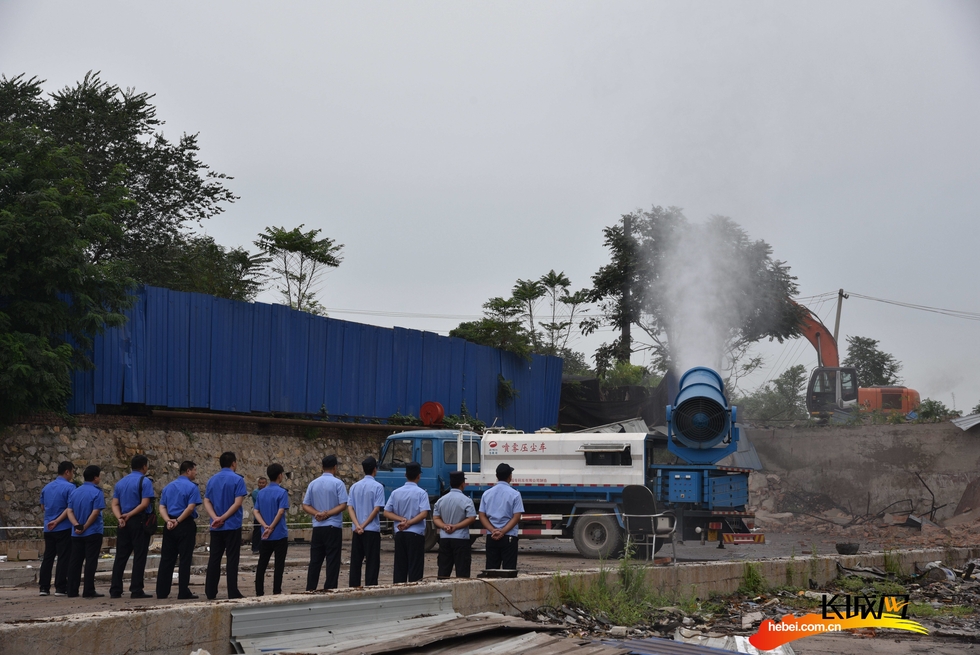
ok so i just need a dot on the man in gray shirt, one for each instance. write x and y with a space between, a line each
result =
453 514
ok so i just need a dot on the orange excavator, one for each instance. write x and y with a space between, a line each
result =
833 388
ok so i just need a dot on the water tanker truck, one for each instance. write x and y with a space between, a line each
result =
572 483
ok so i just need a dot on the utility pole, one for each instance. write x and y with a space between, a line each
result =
625 339
840 301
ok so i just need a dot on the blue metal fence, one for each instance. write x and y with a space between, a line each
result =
188 350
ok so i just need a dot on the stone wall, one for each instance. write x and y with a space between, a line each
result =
30 453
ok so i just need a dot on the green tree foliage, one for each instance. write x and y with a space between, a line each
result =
199 264
781 399
976 409
117 134
935 410
299 259
54 294
755 289
874 367
500 327
512 324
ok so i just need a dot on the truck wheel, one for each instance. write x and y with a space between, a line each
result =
597 536
431 535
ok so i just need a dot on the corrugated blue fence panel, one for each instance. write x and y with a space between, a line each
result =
412 352
471 376
351 371
134 345
190 350
199 362
261 356
334 366
157 338
108 359
457 360
384 389
367 365
178 349
436 366
316 377
231 361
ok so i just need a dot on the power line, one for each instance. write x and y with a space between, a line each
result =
955 313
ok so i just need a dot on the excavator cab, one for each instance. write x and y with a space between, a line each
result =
831 389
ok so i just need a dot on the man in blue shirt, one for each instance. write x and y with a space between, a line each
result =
367 499
85 506
57 530
325 500
223 498
178 509
408 507
270 512
453 514
131 504
500 512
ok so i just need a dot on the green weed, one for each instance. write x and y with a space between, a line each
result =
753 582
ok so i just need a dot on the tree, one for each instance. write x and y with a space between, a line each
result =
118 130
976 409
500 327
874 366
299 259
935 410
781 399
699 293
54 296
509 323
201 265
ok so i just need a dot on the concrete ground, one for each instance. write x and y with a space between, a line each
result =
21 602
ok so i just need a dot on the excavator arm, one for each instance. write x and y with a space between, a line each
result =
821 339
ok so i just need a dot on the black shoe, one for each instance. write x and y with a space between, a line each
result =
95 595
137 595
44 593
236 596
188 597
115 595
73 595
61 593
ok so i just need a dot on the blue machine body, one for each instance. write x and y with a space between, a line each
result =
700 424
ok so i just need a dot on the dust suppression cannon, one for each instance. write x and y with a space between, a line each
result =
700 424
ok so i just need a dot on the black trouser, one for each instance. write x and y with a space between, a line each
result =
178 542
363 547
130 540
454 552
326 544
502 553
409 557
223 542
266 549
56 544
256 536
85 549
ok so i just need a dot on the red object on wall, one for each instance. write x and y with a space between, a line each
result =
431 413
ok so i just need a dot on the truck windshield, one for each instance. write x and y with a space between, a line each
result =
397 455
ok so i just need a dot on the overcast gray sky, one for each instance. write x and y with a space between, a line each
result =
456 147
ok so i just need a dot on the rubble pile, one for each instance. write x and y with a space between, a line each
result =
946 601
901 524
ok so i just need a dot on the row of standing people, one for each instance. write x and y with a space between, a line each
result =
74 527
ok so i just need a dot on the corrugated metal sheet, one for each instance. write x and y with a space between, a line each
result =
967 422
745 457
379 624
188 350
658 646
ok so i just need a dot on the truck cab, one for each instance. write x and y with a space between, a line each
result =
436 452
